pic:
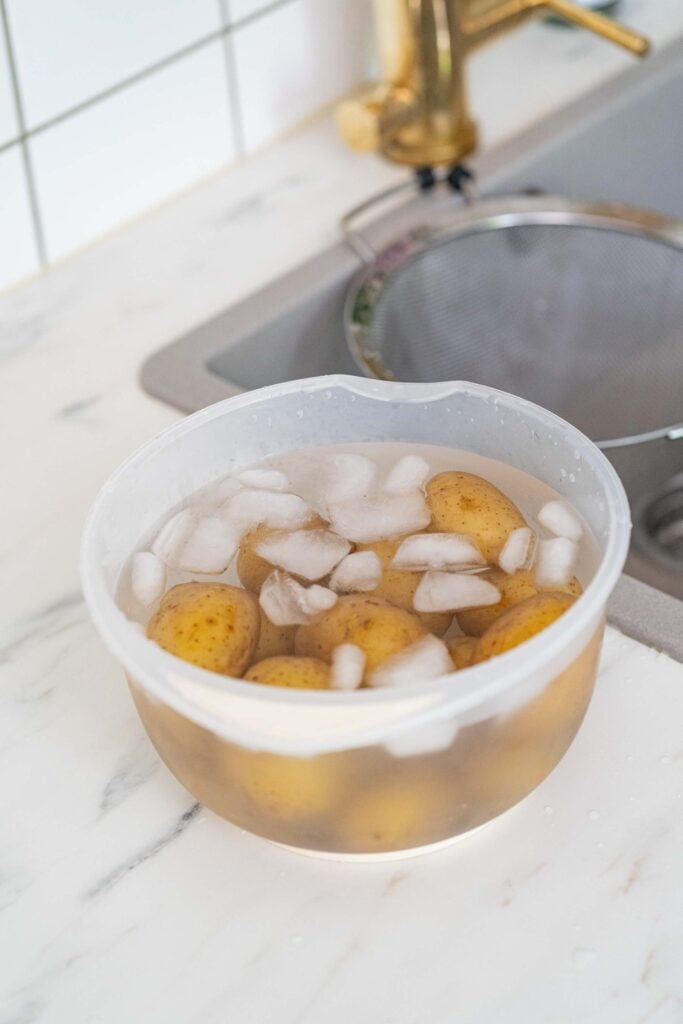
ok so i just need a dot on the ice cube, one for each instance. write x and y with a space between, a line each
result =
408 474
308 553
264 479
452 592
210 547
426 740
252 507
426 659
560 519
381 518
223 490
348 665
517 550
171 537
286 603
361 570
437 551
344 478
555 563
147 577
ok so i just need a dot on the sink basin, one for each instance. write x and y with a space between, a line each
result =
620 144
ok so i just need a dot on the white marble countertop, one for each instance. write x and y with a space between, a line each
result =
120 899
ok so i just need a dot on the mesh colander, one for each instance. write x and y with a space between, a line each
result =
576 307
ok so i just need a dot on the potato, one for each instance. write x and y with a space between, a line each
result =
401 814
461 650
273 640
254 570
289 788
513 589
399 586
520 623
297 673
464 503
376 626
212 625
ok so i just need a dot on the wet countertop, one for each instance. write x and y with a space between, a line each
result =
123 900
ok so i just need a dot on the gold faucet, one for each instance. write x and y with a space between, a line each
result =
419 115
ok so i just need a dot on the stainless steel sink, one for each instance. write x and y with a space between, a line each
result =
620 144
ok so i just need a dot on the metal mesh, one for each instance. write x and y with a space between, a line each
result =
586 321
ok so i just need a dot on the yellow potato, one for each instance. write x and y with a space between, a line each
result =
377 627
273 640
289 788
520 623
296 673
254 570
461 650
400 815
399 585
514 589
211 625
464 503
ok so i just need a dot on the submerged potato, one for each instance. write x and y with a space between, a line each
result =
401 814
288 788
461 650
465 503
212 625
399 585
379 628
521 623
273 640
297 673
513 589
254 570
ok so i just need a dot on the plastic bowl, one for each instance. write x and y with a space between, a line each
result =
373 772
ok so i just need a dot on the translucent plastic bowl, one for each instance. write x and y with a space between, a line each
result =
374 772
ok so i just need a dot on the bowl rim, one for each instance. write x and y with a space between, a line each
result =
155 668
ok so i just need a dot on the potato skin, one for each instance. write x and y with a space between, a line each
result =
379 628
273 641
514 589
287 788
254 570
400 814
465 503
520 623
461 650
295 673
399 585
212 625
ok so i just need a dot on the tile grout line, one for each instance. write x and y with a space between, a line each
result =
38 228
231 81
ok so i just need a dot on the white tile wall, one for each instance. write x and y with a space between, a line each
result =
297 59
132 150
120 115
9 128
70 50
18 255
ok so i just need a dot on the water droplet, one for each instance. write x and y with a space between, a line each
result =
594 815
577 454
549 810
629 757
563 474
599 846
300 413
583 956
572 478
665 759
297 940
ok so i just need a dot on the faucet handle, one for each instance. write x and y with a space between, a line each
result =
365 121
485 25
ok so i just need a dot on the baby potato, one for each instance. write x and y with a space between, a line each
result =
289 788
254 570
465 503
401 814
212 625
296 673
513 589
273 640
520 623
379 628
398 585
461 650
